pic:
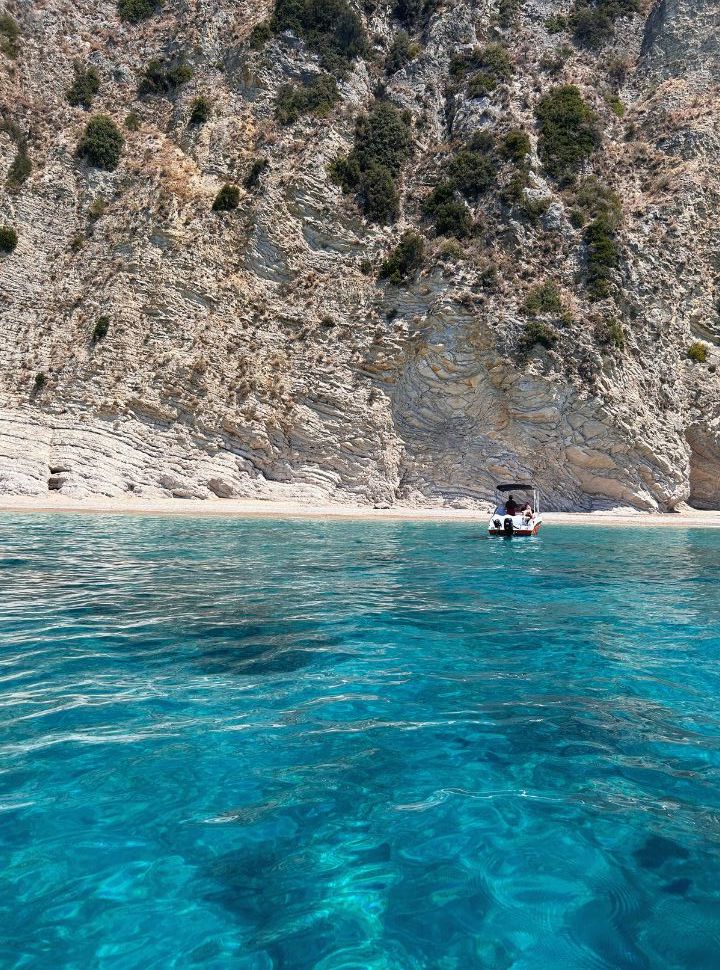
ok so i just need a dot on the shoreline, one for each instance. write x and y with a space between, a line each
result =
283 509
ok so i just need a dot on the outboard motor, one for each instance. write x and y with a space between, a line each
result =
497 522
508 527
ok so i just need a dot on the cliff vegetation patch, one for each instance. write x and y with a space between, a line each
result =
317 97
102 143
84 87
330 28
568 132
406 259
383 141
136 10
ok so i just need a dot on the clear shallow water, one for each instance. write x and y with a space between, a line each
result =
285 744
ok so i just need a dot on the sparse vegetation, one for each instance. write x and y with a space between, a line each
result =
556 24
595 200
544 299
9 36
20 169
164 77
39 382
330 28
406 259
227 199
610 333
260 35
487 67
473 169
616 105
97 209
383 140
85 86
507 12
568 131
515 146
132 121
8 239
449 213
697 352
101 329
257 170
200 111
451 252
317 97
402 51
102 144
412 13
593 21
136 10
603 256
537 333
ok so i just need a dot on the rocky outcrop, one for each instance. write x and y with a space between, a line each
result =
252 353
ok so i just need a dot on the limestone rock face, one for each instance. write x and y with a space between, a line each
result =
256 352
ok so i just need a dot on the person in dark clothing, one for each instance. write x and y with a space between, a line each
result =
511 506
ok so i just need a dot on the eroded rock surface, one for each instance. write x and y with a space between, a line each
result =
252 353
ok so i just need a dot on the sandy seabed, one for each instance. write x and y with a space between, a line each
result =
259 509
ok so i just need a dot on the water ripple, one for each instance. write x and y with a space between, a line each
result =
297 745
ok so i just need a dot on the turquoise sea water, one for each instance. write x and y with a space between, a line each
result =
233 744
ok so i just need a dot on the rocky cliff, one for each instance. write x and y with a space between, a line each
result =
558 318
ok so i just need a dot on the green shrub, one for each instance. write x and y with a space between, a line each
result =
603 256
9 36
544 299
488 67
84 87
163 77
534 333
616 105
515 146
568 131
136 10
257 170
97 209
595 200
101 329
610 333
556 24
39 382
8 239
401 52
406 259
593 21
227 199
260 35
507 12
412 13
132 121
330 28
697 352
317 97
451 252
200 111
450 215
20 169
383 139
102 144
379 194
473 169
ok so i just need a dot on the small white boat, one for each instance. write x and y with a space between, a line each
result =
517 520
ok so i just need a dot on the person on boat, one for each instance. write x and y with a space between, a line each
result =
511 506
527 511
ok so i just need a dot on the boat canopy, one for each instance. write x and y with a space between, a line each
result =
515 488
